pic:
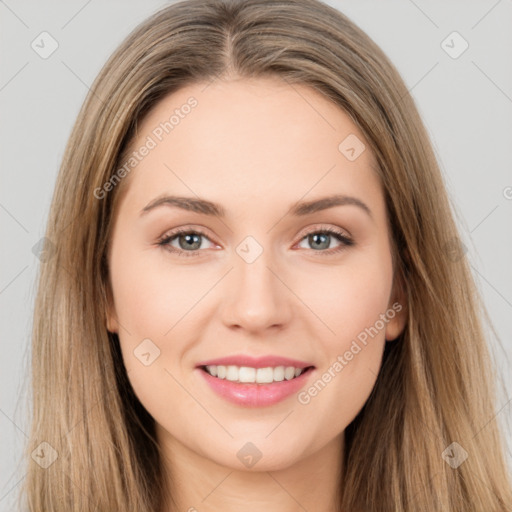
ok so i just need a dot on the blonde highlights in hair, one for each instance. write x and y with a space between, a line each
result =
436 383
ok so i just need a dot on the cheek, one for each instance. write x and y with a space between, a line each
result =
349 299
150 295
151 305
160 312
352 305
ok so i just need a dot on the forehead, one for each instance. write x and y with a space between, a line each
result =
248 140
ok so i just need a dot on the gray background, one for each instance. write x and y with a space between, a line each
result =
466 104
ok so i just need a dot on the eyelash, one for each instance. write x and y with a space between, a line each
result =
168 237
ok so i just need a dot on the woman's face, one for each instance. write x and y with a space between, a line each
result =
255 276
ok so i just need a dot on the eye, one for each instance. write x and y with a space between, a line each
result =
189 242
184 242
321 239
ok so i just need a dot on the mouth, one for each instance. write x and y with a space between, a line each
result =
252 375
249 386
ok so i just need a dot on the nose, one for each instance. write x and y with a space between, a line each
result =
256 298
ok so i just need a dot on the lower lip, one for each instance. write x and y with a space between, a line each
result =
256 395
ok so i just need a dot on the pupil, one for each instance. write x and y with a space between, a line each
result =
191 239
314 239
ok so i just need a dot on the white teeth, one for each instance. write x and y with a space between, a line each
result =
289 372
232 373
264 375
254 375
246 374
279 373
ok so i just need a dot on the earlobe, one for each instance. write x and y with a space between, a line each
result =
396 325
397 311
112 324
110 313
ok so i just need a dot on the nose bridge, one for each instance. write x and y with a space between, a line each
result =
257 298
254 277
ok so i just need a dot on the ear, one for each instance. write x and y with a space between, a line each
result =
110 311
397 311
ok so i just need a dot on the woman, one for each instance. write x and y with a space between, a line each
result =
257 295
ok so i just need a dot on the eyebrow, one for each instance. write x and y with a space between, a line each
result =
300 208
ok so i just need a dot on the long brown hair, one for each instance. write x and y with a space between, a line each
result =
437 382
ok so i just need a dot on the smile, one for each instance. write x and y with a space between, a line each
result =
247 386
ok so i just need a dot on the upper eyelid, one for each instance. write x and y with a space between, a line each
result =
172 233
325 227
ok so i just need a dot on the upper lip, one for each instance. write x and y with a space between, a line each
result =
255 362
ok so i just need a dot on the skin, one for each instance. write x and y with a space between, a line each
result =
255 147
